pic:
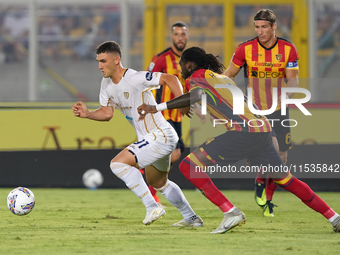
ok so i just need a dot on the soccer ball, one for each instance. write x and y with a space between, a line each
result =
20 201
92 179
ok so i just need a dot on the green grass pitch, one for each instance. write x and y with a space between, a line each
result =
109 221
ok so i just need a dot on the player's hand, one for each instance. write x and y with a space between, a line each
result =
186 111
203 118
80 109
144 109
197 109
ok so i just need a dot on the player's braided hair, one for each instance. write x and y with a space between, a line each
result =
203 60
109 47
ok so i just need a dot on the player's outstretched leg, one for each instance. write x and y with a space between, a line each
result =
154 194
265 188
308 197
135 182
152 191
231 219
153 215
172 192
232 216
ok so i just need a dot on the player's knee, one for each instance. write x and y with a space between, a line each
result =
164 186
119 169
158 183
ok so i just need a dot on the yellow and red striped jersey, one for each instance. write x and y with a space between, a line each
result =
167 62
220 103
265 68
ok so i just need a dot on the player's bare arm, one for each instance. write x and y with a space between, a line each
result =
101 114
176 88
179 102
198 111
292 80
232 70
173 83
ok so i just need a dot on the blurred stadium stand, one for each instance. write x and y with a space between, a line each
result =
69 33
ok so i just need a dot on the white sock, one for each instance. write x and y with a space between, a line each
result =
331 219
135 182
231 209
175 196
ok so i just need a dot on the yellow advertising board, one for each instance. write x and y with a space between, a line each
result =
59 129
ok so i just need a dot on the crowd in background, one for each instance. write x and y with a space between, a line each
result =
74 31
63 30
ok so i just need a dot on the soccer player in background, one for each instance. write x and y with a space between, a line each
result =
269 62
127 89
202 72
168 62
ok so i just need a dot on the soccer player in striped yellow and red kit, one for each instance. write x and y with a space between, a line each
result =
168 62
269 62
202 72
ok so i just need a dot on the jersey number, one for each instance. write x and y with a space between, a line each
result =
141 143
288 138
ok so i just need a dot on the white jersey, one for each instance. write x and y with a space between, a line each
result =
133 90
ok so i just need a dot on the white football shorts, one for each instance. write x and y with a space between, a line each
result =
154 150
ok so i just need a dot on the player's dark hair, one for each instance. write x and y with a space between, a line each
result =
266 14
179 24
203 60
109 47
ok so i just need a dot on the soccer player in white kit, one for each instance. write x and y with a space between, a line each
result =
127 89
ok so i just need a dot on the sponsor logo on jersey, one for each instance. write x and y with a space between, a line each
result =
268 75
128 118
151 66
148 76
267 64
126 95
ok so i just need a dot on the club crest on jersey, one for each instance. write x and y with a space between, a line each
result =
126 95
148 76
278 57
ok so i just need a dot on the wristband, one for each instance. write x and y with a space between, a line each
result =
161 107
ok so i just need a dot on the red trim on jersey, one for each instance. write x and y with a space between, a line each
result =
268 88
281 51
263 122
174 64
268 126
162 65
279 86
256 92
251 129
255 51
